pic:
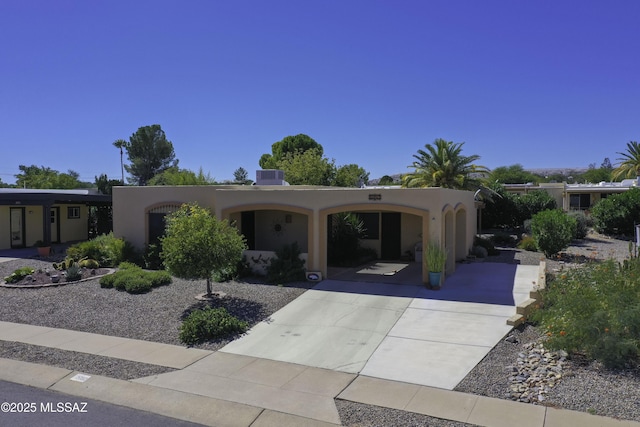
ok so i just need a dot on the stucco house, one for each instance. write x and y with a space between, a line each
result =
575 196
270 216
53 216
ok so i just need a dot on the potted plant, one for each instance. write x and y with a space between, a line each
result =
436 259
44 249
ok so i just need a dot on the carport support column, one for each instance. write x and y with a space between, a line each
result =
46 222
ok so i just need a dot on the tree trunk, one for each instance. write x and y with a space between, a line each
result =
209 287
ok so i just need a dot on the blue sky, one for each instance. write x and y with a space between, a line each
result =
543 84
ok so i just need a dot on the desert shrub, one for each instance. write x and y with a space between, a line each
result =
125 265
616 214
19 274
134 279
159 278
208 324
106 249
582 224
286 266
552 231
528 243
107 281
138 284
74 273
594 310
89 263
486 243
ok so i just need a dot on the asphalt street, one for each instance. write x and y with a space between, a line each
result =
27 406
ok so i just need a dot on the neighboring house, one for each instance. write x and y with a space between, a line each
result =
270 216
53 216
575 196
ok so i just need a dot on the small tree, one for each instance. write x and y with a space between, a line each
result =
196 244
552 231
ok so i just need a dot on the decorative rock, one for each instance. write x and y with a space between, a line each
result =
536 371
512 339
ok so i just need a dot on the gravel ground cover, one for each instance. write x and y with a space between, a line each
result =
156 316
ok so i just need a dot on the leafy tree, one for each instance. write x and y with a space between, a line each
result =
501 211
595 176
177 176
43 177
514 174
241 176
290 145
552 231
386 180
196 244
629 162
121 144
443 165
350 175
150 153
307 168
105 185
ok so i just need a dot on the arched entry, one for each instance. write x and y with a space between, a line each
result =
449 241
461 233
396 230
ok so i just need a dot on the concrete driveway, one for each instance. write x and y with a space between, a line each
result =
392 331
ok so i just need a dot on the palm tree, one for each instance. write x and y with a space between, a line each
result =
443 165
120 143
629 162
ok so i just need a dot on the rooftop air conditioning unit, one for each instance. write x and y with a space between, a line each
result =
270 177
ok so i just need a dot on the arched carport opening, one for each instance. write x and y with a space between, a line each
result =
393 231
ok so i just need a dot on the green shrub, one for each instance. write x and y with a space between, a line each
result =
286 266
138 284
159 278
89 263
19 274
208 324
595 310
552 230
107 281
582 224
486 243
343 244
134 279
125 265
528 243
616 214
106 249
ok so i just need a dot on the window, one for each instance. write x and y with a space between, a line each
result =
73 212
579 201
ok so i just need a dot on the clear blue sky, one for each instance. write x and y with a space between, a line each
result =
540 83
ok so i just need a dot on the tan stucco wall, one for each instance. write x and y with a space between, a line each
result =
73 229
423 210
